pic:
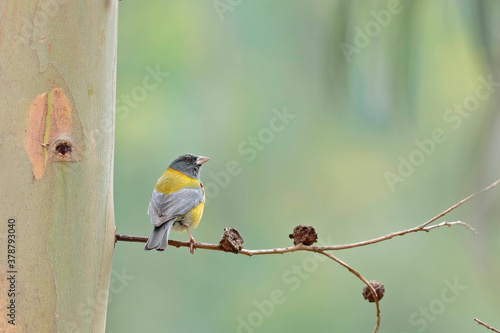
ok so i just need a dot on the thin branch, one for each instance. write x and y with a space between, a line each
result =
423 227
216 247
361 277
460 203
322 249
140 239
450 224
299 247
482 323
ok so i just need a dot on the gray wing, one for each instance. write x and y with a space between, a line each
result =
165 207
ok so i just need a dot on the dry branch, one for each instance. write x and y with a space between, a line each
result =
482 323
323 249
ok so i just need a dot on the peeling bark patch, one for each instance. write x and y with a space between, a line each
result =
49 136
35 134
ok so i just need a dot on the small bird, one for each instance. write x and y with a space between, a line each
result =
177 201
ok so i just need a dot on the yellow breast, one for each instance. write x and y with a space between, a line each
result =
172 180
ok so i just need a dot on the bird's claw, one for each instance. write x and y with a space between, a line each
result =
191 242
191 245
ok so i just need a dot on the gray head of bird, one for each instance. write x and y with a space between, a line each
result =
189 165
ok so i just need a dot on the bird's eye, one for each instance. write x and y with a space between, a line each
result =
187 159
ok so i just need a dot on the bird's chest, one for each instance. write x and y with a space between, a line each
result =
173 180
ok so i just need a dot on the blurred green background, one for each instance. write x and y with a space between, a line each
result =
363 80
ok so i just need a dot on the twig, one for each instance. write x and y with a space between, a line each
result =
322 249
355 272
140 239
216 247
422 227
482 323
450 224
300 247
460 203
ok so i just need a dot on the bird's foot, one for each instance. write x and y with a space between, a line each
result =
191 242
191 245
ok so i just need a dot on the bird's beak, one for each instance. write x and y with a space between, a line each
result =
202 159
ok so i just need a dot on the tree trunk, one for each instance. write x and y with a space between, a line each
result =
57 100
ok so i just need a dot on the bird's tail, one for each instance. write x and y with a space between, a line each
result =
159 237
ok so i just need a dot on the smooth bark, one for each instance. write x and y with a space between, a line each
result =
57 101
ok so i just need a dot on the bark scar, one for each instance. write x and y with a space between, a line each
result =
49 136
